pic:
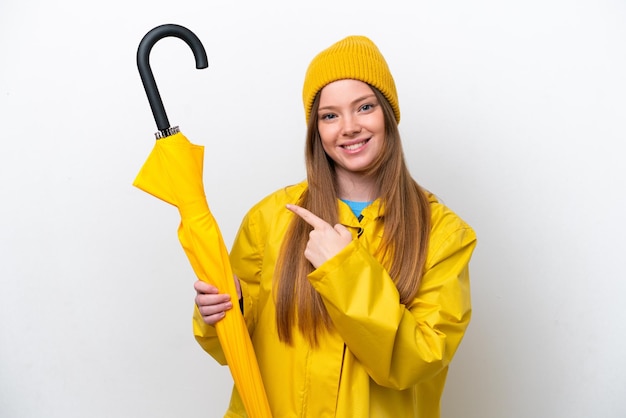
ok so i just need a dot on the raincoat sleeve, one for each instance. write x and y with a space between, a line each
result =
246 259
401 346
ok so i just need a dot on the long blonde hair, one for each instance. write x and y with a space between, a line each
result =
405 236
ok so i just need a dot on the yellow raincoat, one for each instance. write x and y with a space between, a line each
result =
382 359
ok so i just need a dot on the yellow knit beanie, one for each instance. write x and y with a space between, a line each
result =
354 57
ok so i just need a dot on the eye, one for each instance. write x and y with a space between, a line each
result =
327 116
367 107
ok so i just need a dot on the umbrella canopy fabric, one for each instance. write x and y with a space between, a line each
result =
173 173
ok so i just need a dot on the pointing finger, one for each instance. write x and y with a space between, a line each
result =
313 220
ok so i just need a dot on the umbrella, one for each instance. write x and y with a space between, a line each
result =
173 173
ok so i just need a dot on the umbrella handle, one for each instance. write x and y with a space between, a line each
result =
147 77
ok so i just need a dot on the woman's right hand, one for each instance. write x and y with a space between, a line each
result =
212 304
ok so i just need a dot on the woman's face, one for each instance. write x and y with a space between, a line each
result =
351 125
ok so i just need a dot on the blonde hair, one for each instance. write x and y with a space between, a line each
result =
405 237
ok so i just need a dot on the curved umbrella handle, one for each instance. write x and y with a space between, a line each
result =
147 77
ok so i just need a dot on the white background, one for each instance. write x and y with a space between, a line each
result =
514 113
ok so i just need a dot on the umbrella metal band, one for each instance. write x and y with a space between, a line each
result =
164 133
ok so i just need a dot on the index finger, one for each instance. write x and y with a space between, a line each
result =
204 287
308 217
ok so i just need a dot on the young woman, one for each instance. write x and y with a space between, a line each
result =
354 283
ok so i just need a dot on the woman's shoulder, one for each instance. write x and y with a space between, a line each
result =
445 222
277 200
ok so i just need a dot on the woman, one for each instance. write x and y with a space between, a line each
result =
354 284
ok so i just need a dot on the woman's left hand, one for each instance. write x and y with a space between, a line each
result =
325 240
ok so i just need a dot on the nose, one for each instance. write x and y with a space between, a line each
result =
351 125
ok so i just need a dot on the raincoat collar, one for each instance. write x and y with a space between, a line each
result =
372 212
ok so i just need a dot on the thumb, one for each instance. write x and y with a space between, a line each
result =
237 286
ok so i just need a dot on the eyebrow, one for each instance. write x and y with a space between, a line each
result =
367 96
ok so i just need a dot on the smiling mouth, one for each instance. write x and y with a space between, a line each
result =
356 146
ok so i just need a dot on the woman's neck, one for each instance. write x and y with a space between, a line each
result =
357 187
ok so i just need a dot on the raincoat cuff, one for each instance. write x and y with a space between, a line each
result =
201 328
335 262
245 304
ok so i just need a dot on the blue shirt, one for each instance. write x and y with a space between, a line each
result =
356 207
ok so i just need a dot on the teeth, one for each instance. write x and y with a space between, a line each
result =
354 146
